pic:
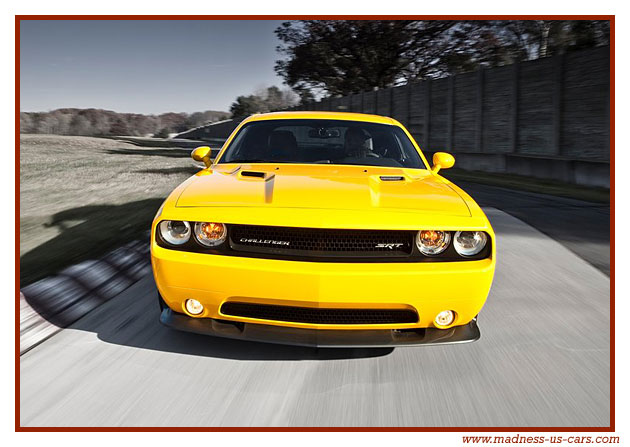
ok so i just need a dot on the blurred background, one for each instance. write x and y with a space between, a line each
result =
109 111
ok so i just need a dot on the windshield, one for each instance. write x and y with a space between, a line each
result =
323 142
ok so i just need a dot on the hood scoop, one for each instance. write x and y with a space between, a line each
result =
392 178
255 174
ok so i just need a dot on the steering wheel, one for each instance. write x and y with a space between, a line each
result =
372 154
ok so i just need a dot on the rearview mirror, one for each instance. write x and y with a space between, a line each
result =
322 132
202 153
442 160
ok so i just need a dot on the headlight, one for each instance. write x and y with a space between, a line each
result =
175 232
210 234
469 243
432 242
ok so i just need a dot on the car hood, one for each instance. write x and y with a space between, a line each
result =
322 187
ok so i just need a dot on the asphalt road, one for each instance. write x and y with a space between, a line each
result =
543 360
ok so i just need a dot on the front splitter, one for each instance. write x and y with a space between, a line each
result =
350 338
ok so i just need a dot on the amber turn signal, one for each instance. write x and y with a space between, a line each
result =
210 234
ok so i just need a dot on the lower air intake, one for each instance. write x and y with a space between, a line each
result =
316 315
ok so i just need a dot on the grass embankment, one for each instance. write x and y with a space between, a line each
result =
81 197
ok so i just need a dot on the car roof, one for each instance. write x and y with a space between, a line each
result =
322 115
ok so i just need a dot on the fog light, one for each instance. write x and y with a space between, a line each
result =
193 307
445 318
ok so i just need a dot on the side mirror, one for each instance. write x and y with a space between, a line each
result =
202 153
442 160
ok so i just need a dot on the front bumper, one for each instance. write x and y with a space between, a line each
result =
427 288
321 338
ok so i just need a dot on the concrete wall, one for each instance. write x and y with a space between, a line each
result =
547 118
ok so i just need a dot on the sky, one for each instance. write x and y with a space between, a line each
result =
147 66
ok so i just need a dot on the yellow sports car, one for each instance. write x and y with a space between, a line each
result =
322 229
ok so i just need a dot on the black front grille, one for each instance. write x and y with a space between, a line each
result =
316 315
318 242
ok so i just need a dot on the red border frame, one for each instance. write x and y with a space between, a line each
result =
19 428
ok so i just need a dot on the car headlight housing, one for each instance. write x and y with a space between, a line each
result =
210 234
469 243
175 232
432 242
